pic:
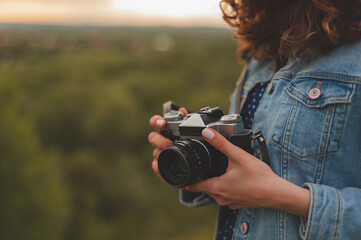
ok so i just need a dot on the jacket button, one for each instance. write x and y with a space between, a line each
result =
244 228
314 93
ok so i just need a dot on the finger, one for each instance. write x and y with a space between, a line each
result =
208 186
157 122
155 168
156 153
222 144
158 140
234 207
156 171
221 201
183 111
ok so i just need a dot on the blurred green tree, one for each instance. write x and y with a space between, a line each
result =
33 199
88 93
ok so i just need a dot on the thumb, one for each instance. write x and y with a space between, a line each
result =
222 144
183 110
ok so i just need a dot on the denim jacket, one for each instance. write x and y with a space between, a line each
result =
311 119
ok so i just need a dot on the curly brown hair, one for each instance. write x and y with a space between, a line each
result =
288 29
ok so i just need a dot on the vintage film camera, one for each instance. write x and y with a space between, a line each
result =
190 158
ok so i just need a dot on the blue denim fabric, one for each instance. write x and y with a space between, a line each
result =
314 143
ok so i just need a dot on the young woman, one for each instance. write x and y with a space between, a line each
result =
302 88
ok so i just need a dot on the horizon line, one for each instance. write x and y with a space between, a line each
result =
110 25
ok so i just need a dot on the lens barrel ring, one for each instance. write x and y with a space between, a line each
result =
184 162
197 154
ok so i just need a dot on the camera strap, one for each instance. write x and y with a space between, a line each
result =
258 136
246 141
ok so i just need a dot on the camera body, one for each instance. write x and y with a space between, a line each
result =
190 158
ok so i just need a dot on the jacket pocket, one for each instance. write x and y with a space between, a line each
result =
311 121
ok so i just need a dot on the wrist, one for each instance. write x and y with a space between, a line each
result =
290 198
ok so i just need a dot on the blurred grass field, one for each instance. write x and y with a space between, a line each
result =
74 109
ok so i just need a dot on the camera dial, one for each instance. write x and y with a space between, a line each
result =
173 116
231 118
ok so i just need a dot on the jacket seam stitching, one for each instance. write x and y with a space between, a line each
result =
338 215
312 207
323 145
284 161
342 127
347 96
327 76
321 99
289 150
331 76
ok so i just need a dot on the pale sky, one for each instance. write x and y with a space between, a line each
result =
113 12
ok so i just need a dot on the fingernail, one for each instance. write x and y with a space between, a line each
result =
207 133
160 122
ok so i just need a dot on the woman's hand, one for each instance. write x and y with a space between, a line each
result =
249 182
157 140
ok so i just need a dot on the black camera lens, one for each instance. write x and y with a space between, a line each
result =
189 161
172 166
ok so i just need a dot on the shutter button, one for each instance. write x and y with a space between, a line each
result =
314 93
244 228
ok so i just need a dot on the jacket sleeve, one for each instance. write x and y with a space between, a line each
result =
334 213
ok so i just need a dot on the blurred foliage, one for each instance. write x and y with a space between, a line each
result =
75 104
